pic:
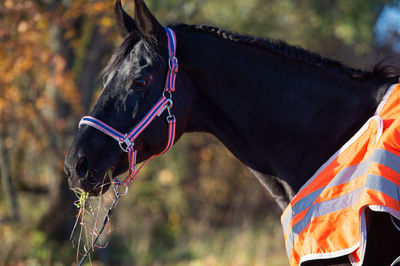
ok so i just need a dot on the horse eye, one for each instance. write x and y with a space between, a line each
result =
105 77
139 82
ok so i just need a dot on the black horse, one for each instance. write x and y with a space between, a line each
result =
282 110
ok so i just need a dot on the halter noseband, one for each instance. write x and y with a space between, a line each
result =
126 141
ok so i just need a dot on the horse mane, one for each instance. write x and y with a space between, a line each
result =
295 52
380 70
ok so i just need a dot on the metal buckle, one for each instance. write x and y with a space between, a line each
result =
167 107
172 62
128 144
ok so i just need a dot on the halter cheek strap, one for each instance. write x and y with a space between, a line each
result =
127 141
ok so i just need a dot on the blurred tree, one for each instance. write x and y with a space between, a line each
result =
49 48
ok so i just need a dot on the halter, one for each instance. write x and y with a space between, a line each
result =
126 141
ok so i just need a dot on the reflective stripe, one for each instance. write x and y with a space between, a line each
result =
374 182
88 120
171 125
147 119
345 175
383 157
328 206
383 185
171 41
171 75
342 150
300 206
321 209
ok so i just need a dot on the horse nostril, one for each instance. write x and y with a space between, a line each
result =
82 167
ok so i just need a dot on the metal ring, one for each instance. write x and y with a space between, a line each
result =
121 193
127 142
169 97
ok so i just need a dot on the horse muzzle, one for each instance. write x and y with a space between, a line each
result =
82 178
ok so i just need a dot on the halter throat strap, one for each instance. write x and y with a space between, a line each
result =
127 141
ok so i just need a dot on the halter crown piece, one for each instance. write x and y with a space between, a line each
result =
126 141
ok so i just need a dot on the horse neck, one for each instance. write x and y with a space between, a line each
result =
279 116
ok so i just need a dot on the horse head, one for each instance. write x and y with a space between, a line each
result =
133 82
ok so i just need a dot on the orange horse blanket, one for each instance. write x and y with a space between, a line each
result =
326 218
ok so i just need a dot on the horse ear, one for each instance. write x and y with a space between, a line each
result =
147 23
125 23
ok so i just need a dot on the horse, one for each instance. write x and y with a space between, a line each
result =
280 109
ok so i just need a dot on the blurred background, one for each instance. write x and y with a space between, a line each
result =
197 205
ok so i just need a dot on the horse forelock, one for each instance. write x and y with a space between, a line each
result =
120 53
126 47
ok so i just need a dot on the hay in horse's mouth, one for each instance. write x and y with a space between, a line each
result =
94 189
91 206
103 186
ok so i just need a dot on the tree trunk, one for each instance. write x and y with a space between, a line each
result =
7 184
